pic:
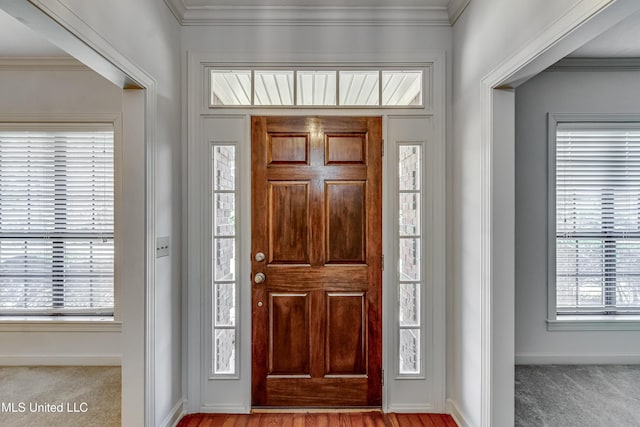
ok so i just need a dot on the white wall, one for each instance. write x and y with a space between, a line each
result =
488 34
40 93
598 92
311 43
146 33
43 90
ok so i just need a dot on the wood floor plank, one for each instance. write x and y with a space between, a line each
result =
407 420
440 421
429 420
334 419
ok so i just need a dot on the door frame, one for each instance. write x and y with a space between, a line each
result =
233 394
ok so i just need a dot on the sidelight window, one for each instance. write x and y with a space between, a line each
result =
409 258
223 250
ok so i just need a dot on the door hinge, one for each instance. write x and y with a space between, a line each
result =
383 148
382 262
382 377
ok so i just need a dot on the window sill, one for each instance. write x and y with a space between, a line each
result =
57 324
594 323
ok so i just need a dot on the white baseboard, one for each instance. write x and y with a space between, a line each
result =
577 359
457 414
408 409
62 360
176 414
225 409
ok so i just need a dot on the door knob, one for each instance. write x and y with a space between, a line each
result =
260 257
259 278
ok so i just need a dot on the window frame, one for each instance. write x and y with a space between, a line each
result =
89 322
575 322
423 237
425 91
211 279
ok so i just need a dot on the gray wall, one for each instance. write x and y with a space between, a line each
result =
601 92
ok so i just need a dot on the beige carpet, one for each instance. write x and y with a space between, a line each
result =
60 396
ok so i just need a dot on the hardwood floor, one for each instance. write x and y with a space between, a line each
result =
350 419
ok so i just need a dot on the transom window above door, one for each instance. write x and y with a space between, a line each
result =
316 87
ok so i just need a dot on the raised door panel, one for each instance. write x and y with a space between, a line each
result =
346 334
346 222
345 148
288 149
289 222
289 324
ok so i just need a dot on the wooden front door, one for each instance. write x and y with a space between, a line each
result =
317 239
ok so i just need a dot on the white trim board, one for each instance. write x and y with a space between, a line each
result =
314 15
173 417
412 409
456 8
577 359
457 414
63 360
225 409
60 326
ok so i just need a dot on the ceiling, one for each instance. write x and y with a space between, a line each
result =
621 41
18 41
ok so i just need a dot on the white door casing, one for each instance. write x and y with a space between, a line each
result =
424 126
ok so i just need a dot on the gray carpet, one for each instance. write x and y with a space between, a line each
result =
60 396
577 395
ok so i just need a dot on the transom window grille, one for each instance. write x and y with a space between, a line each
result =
409 258
224 243
349 88
597 200
57 220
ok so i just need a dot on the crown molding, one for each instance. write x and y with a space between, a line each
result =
176 7
455 8
596 64
320 16
42 64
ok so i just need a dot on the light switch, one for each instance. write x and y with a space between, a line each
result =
162 246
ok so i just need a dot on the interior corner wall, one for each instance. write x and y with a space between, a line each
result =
594 92
487 34
40 93
147 34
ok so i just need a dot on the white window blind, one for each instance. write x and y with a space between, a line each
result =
598 218
56 220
